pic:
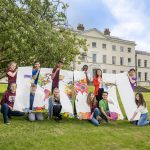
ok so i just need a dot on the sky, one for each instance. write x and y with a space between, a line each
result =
127 19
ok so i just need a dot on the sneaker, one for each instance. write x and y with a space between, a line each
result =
7 123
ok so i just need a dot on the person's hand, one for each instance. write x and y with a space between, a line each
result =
10 108
108 118
57 69
39 69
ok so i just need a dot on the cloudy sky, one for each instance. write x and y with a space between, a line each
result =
128 19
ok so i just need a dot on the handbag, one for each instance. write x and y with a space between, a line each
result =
113 115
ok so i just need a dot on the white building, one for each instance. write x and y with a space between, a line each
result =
111 54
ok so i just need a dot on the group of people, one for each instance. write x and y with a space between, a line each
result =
97 100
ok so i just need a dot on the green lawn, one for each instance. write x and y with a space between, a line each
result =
72 134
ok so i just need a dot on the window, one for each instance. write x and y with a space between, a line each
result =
94 72
83 56
104 70
121 71
114 47
139 76
145 76
121 61
94 44
104 59
129 61
139 62
114 71
94 58
113 60
104 46
145 63
129 50
121 49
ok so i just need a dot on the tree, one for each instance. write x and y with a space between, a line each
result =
36 30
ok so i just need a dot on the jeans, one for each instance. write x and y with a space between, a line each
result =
143 120
7 112
95 114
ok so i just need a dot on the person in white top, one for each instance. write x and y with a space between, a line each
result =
142 109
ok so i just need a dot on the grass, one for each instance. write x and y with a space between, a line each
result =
73 134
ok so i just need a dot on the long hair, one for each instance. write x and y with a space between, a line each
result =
141 100
9 65
91 102
96 75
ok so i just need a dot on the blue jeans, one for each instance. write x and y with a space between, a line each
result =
7 112
143 120
95 114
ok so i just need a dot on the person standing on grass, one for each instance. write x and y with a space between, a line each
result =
95 113
32 115
132 78
11 73
55 75
142 109
55 105
98 83
104 109
36 72
7 103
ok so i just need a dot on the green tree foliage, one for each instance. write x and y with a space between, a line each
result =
36 30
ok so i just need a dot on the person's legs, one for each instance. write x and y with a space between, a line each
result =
5 112
143 120
57 110
104 117
31 116
96 116
94 121
17 113
96 112
39 116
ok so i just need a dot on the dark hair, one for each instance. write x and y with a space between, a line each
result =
141 100
85 66
96 73
60 62
36 62
105 93
132 69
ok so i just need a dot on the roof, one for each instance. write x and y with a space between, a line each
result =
142 52
107 36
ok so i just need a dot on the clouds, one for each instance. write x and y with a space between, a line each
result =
132 21
128 19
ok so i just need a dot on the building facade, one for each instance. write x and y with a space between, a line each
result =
112 55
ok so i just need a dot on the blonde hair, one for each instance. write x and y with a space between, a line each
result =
9 65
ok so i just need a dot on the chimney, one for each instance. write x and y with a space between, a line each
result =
107 32
80 27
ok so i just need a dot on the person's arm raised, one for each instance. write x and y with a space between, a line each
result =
35 76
